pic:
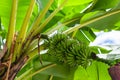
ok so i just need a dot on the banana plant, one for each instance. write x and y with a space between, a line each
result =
49 39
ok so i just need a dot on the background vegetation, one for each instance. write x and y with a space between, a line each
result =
26 24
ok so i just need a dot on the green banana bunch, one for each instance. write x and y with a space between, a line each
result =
64 49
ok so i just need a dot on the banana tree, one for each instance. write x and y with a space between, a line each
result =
49 39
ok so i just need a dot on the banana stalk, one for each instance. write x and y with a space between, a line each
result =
12 23
23 30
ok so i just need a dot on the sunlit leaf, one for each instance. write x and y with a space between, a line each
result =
96 71
81 74
103 71
77 2
92 72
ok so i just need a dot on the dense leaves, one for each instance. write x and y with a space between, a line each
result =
63 51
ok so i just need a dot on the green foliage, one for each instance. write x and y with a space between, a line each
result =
85 35
104 21
91 15
77 2
97 71
107 4
81 74
41 72
63 51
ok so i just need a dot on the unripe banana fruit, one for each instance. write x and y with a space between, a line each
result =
68 50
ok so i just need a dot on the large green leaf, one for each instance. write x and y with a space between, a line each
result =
105 4
42 73
41 77
91 15
103 71
92 72
58 72
107 22
66 14
118 6
77 2
96 71
5 10
81 74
